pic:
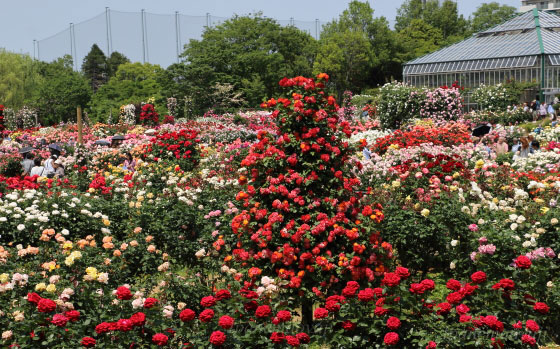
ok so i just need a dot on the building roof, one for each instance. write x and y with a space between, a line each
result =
514 43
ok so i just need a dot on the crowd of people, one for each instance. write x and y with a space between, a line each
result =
50 168
521 147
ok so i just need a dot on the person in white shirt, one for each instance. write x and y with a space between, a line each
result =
37 169
49 168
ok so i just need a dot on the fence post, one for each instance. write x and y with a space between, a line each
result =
80 125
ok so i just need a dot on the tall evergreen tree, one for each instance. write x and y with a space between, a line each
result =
113 63
94 67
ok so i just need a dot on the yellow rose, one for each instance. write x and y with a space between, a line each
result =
456 174
425 212
544 210
396 184
69 260
106 222
91 190
67 245
51 288
40 287
4 278
92 272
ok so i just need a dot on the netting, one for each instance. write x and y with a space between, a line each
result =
140 36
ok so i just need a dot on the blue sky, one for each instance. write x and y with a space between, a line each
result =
25 20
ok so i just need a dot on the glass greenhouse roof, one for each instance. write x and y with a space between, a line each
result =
513 44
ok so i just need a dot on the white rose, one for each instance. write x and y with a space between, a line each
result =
513 226
452 265
454 243
20 227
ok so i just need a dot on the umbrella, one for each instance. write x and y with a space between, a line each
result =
102 142
56 147
25 150
117 138
481 130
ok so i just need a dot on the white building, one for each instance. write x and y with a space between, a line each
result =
543 5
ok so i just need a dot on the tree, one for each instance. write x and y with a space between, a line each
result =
358 25
60 91
18 78
94 67
443 16
113 63
133 83
251 53
346 57
488 15
418 39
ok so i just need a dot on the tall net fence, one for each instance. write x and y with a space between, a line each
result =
141 36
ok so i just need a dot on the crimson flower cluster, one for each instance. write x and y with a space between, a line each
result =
149 116
177 146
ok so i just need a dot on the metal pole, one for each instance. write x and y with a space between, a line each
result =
143 41
316 29
72 47
207 19
34 48
75 54
146 33
292 21
177 39
38 53
107 30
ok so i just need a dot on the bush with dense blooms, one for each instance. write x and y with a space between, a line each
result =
148 115
398 103
432 243
494 97
443 103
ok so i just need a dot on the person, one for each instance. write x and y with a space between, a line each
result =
542 111
27 163
129 162
535 145
49 168
525 148
486 147
516 145
367 153
37 169
58 168
501 147
525 107
551 111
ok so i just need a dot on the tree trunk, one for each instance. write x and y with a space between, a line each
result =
306 315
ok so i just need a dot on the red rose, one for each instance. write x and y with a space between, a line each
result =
33 298
465 318
102 328
348 325
402 272
88 342
208 301
284 315
532 326
59 320
150 302
206 315
431 345
160 339
478 277
380 311
123 293
391 338
303 337
292 341
138 319
263 311
277 337
444 308
393 323
226 322
462 309
428 284
523 262
187 315
518 325
218 338
391 279
72 315
528 340
454 285
124 325
541 307
366 295
222 294
321 313
455 297
46 305
417 288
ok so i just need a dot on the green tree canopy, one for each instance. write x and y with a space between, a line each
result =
489 15
94 67
60 91
113 63
251 53
132 83
418 39
18 78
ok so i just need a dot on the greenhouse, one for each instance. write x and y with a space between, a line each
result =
525 48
